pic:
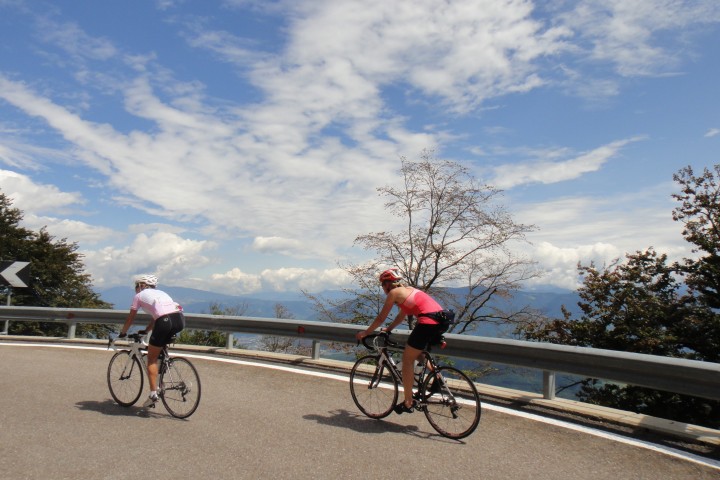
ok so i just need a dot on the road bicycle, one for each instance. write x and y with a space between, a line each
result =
178 380
447 397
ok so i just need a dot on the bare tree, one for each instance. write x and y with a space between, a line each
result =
455 244
274 343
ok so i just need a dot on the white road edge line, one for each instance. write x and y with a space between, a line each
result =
530 416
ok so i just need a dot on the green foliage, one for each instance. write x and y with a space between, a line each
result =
210 338
207 338
646 305
633 306
57 275
681 408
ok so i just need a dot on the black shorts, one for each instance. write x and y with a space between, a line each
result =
425 334
165 328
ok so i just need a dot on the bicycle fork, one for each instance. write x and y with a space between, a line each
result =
128 372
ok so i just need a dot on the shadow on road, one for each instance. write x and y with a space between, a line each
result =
109 407
360 423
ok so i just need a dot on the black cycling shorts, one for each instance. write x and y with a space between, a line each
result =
165 328
425 334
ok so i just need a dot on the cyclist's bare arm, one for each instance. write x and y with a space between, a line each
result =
399 318
128 321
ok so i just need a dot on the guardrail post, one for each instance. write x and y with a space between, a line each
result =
7 322
71 330
316 350
230 341
548 385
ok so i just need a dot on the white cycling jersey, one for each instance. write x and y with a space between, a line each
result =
155 302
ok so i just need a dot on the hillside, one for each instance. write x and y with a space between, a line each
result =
263 305
199 301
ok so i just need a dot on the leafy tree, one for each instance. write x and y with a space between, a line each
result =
453 233
635 306
57 272
699 211
647 305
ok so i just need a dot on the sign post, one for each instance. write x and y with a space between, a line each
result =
13 274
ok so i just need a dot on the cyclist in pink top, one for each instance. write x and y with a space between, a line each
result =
410 301
167 320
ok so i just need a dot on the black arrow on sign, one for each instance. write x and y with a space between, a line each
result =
15 274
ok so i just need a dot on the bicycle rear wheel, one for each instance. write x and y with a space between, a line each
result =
180 387
452 405
374 389
125 378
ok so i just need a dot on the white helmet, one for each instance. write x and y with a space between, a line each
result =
148 279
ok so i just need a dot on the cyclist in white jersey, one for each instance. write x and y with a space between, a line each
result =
167 320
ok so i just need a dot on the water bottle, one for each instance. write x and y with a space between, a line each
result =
417 371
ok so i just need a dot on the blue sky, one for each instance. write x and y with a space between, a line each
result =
237 145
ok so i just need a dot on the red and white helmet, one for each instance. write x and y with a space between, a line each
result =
390 275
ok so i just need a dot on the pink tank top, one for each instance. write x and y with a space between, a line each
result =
419 302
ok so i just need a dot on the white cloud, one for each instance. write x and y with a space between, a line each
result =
33 197
17 155
74 231
550 171
295 168
165 254
235 281
713 132
628 34
601 230
71 38
276 244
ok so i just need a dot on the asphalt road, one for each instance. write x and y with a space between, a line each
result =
58 421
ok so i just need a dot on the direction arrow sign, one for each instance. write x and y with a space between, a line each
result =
15 274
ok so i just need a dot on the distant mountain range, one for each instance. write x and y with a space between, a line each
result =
263 304
199 301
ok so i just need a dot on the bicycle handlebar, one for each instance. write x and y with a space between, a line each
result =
374 336
135 337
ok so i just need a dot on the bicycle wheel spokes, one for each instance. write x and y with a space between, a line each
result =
374 390
180 388
452 404
125 378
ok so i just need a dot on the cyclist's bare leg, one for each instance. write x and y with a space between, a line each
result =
152 367
408 360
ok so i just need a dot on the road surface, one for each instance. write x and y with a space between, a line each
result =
58 421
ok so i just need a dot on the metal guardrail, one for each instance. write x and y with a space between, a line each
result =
689 377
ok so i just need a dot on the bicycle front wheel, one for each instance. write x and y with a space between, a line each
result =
373 388
180 387
452 403
125 378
